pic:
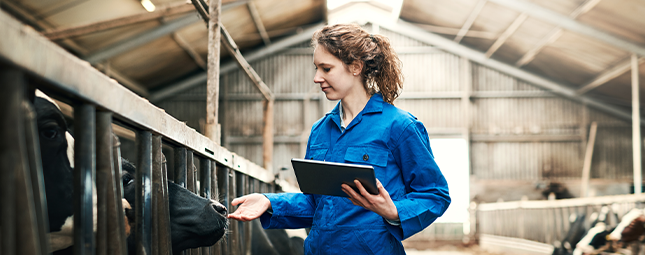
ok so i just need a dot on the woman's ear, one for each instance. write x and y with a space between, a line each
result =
356 68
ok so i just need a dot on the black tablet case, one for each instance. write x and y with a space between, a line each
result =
325 178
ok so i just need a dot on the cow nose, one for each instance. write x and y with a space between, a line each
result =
219 208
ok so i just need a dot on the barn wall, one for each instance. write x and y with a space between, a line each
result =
518 132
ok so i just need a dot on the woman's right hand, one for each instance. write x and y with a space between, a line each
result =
253 206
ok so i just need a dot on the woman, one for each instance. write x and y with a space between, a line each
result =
364 73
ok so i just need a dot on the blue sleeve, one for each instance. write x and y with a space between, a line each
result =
290 210
426 189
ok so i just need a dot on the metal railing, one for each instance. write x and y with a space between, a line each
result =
546 221
98 103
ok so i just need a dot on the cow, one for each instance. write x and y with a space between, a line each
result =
195 221
573 236
630 227
596 239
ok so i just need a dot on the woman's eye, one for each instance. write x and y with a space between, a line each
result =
326 69
49 133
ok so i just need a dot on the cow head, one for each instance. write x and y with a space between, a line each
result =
56 146
194 221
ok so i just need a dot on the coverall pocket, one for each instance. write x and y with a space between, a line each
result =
367 155
317 152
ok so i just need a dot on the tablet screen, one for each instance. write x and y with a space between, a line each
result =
326 178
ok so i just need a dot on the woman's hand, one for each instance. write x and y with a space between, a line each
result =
253 206
381 204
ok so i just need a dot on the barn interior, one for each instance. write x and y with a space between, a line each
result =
524 100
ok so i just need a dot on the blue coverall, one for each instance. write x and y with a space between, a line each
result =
397 145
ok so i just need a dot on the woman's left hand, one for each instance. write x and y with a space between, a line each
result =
381 204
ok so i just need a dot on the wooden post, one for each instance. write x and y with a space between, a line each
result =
212 88
586 168
267 136
636 127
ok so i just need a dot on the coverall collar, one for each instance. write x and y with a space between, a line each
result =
374 105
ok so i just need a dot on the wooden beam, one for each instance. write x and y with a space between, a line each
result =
455 31
567 23
504 36
255 15
586 167
554 34
267 135
171 9
470 20
608 75
212 86
189 50
68 32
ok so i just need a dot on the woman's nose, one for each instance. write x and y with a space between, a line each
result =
318 78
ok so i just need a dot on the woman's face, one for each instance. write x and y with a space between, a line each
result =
335 79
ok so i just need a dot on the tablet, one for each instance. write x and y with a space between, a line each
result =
326 178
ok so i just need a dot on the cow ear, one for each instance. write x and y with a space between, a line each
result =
31 93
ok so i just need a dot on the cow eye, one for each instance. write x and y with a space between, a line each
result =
127 180
50 133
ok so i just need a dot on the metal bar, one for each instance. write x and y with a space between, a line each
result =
246 234
255 15
36 175
10 103
180 166
201 79
158 200
141 39
143 199
565 22
223 188
507 34
104 180
234 241
117 240
475 56
216 249
190 172
636 129
205 187
470 20
212 130
84 170
164 216
240 185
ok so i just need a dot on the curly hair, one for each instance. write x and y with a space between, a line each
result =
351 44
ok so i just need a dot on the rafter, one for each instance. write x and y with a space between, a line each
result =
470 20
608 75
554 34
565 22
507 34
255 15
189 50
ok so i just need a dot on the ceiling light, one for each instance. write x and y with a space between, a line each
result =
148 5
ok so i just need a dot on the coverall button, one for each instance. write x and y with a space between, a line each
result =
366 157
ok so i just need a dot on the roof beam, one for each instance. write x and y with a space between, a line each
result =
255 15
190 50
417 33
554 34
507 34
565 22
200 79
183 7
470 20
608 75
141 39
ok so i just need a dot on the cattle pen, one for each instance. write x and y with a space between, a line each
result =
29 61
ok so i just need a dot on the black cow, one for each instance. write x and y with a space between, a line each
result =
573 236
195 221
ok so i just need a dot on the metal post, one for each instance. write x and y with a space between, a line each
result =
104 179
217 247
84 170
240 186
119 246
164 216
191 184
143 199
223 181
636 128
232 193
36 174
10 98
180 166
205 187
157 198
